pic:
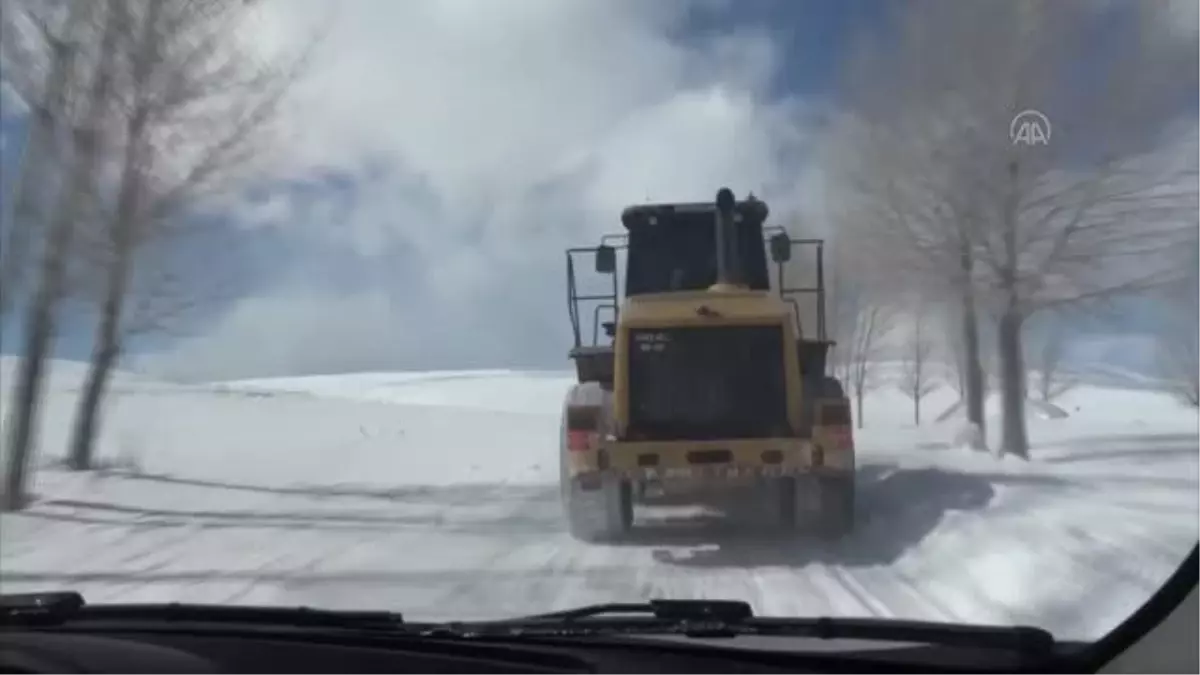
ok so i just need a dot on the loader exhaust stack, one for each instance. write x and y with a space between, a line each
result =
728 271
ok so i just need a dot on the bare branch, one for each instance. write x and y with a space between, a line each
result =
916 377
1177 337
856 357
1046 356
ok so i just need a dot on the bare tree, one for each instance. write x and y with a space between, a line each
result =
1059 237
857 358
1047 352
1089 215
80 104
1177 338
955 374
916 378
1178 359
964 369
196 111
910 216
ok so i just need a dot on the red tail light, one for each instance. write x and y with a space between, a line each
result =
840 436
578 439
582 422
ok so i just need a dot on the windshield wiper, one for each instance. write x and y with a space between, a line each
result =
56 608
688 618
731 618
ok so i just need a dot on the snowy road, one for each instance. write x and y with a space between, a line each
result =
351 516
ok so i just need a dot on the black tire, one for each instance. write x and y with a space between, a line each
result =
771 506
601 515
830 387
828 508
836 499
824 504
785 502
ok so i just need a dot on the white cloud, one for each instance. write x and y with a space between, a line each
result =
1177 18
483 138
11 104
1183 18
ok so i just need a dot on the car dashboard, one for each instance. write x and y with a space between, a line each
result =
194 648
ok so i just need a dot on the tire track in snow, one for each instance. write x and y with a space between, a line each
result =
441 587
504 556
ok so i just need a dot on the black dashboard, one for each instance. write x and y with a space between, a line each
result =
181 648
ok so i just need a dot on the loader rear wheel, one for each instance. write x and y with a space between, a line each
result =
604 512
837 506
825 502
825 505
783 496
773 506
601 515
830 387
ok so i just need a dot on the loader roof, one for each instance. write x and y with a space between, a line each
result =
700 214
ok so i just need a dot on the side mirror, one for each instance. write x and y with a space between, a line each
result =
781 248
606 259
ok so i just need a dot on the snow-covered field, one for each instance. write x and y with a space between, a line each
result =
434 494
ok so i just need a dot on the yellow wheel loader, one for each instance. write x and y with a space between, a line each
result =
705 383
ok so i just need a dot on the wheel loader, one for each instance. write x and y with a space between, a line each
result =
706 385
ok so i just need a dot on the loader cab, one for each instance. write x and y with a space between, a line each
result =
673 248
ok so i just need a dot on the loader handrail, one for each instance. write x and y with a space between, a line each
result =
610 300
818 289
607 300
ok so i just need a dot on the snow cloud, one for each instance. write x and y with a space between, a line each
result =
441 155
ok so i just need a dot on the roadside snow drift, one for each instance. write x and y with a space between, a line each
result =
435 494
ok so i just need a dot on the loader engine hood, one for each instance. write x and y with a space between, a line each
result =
720 305
703 366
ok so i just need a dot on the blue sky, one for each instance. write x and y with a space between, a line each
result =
441 155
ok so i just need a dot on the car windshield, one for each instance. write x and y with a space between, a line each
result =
282 318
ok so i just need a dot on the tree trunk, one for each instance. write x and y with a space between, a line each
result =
916 409
858 395
1014 439
960 366
107 348
22 421
104 359
1014 436
973 383
39 345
